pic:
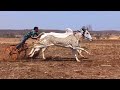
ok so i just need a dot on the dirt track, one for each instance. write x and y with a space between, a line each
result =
102 64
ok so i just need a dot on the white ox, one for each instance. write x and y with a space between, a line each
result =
64 38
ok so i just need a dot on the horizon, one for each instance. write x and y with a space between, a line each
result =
59 20
55 30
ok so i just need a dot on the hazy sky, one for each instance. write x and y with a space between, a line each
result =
99 20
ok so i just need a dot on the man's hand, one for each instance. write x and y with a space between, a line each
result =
34 38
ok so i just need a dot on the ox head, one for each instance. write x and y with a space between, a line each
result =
85 33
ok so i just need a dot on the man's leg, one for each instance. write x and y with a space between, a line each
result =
21 43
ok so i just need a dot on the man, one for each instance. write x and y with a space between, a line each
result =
30 34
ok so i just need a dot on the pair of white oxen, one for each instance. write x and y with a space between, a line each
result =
68 39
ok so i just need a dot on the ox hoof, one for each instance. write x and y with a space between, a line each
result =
82 57
44 58
78 60
88 53
30 56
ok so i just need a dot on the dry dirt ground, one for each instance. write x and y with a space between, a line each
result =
103 63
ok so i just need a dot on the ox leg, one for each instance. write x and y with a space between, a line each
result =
31 51
35 50
75 54
84 50
80 52
43 54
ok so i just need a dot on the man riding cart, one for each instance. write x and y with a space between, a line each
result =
28 35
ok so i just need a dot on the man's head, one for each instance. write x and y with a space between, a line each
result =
36 29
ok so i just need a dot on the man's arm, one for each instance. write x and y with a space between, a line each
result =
33 37
36 34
